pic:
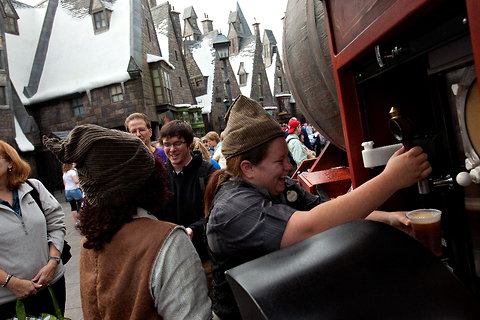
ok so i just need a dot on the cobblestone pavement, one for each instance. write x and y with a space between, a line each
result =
73 308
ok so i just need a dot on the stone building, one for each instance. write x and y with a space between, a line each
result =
254 67
74 62
17 127
285 104
207 71
167 25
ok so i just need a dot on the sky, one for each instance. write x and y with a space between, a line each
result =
268 13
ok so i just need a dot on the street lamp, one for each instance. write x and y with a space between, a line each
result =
221 45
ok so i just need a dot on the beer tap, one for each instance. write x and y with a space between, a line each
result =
402 131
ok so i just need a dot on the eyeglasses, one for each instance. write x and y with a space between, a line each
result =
174 145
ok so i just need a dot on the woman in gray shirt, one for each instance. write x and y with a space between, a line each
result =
30 240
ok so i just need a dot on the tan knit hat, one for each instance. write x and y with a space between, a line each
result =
112 165
248 126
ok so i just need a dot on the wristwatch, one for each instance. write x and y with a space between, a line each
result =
55 258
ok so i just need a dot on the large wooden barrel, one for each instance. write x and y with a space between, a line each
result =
309 69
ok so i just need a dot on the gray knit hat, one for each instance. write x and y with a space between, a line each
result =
248 126
112 165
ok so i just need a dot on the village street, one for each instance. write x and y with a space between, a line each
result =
73 308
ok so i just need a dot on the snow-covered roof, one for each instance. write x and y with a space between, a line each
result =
160 17
163 42
204 54
154 58
187 105
271 72
23 143
21 49
245 55
77 60
280 95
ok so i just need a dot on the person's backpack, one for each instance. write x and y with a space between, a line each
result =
66 254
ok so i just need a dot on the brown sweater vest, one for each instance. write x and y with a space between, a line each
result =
115 281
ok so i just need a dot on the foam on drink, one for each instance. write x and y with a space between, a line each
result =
426 228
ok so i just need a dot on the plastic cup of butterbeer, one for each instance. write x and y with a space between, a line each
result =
426 228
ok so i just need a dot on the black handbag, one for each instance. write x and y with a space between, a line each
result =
66 254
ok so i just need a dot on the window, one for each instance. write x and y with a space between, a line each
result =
233 46
148 30
197 117
2 60
168 87
116 93
180 81
260 85
242 75
11 25
176 55
280 83
243 79
157 86
77 107
162 88
3 96
266 51
100 22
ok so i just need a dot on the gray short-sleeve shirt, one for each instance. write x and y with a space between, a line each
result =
246 218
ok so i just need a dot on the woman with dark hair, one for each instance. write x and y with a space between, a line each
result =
132 266
254 208
31 240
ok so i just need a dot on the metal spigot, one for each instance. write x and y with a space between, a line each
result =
446 181
425 186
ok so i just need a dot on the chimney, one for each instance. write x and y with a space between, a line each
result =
175 16
207 25
153 3
256 29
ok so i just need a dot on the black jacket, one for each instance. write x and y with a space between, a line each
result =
186 202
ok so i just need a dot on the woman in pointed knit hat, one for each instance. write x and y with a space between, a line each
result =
255 209
132 266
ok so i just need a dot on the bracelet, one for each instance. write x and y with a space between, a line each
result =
7 280
55 258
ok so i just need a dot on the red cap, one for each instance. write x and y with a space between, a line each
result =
292 125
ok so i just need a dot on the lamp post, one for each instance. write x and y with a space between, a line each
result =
221 45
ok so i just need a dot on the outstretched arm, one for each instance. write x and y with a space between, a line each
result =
402 170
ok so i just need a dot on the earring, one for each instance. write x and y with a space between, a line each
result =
9 169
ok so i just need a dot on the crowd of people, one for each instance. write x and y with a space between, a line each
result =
168 220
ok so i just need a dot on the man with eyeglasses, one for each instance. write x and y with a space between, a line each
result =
139 124
188 176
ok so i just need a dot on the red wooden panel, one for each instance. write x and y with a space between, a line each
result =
350 18
335 181
397 13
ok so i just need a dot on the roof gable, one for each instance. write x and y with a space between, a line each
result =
268 37
189 12
77 60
